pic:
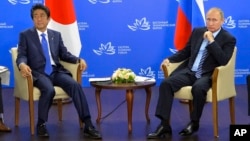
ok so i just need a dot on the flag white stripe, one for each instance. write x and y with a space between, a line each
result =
201 7
70 35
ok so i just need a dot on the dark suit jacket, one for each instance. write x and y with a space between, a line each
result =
219 52
30 51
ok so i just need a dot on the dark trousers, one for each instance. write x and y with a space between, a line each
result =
172 84
69 85
1 97
248 92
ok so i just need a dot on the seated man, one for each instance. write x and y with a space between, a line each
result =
3 127
39 52
208 47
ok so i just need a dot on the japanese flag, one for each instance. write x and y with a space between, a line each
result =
63 19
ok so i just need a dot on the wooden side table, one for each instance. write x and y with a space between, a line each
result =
129 88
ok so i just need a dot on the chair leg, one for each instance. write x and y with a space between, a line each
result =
232 110
215 118
17 110
32 120
190 103
59 105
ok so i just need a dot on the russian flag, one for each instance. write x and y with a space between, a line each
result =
190 14
63 19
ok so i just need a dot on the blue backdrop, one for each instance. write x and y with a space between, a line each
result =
126 33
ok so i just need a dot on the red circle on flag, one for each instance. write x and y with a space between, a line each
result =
61 11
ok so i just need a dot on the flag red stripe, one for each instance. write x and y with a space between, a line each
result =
183 30
62 11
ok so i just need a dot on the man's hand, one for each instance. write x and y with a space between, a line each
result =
25 70
83 65
209 36
166 62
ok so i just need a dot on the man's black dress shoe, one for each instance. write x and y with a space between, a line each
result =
42 131
91 132
160 132
190 129
3 127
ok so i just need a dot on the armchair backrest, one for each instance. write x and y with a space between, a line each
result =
223 79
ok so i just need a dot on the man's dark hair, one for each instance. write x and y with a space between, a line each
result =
39 6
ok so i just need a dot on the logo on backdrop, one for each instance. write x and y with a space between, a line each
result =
105 49
244 23
229 22
14 2
4 25
142 24
147 72
100 1
104 1
109 49
83 26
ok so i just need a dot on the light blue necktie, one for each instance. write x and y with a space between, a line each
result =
45 46
199 69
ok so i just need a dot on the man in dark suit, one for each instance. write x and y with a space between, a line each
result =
217 45
31 60
3 127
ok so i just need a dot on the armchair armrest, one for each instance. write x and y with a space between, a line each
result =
167 70
21 89
74 70
22 84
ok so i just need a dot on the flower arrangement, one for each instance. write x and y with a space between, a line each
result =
123 75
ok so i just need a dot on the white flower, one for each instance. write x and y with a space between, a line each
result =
123 75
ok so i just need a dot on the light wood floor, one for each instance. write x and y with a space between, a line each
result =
114 126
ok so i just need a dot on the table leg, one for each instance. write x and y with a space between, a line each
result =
99 106
149 93
129 98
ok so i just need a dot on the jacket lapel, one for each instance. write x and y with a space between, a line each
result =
198 45
36 39
51 43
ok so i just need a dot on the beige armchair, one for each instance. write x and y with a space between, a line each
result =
24 89
223 87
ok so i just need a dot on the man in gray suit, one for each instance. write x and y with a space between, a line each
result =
32 60
208 47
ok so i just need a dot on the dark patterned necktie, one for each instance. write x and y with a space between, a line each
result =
199 69
48 67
